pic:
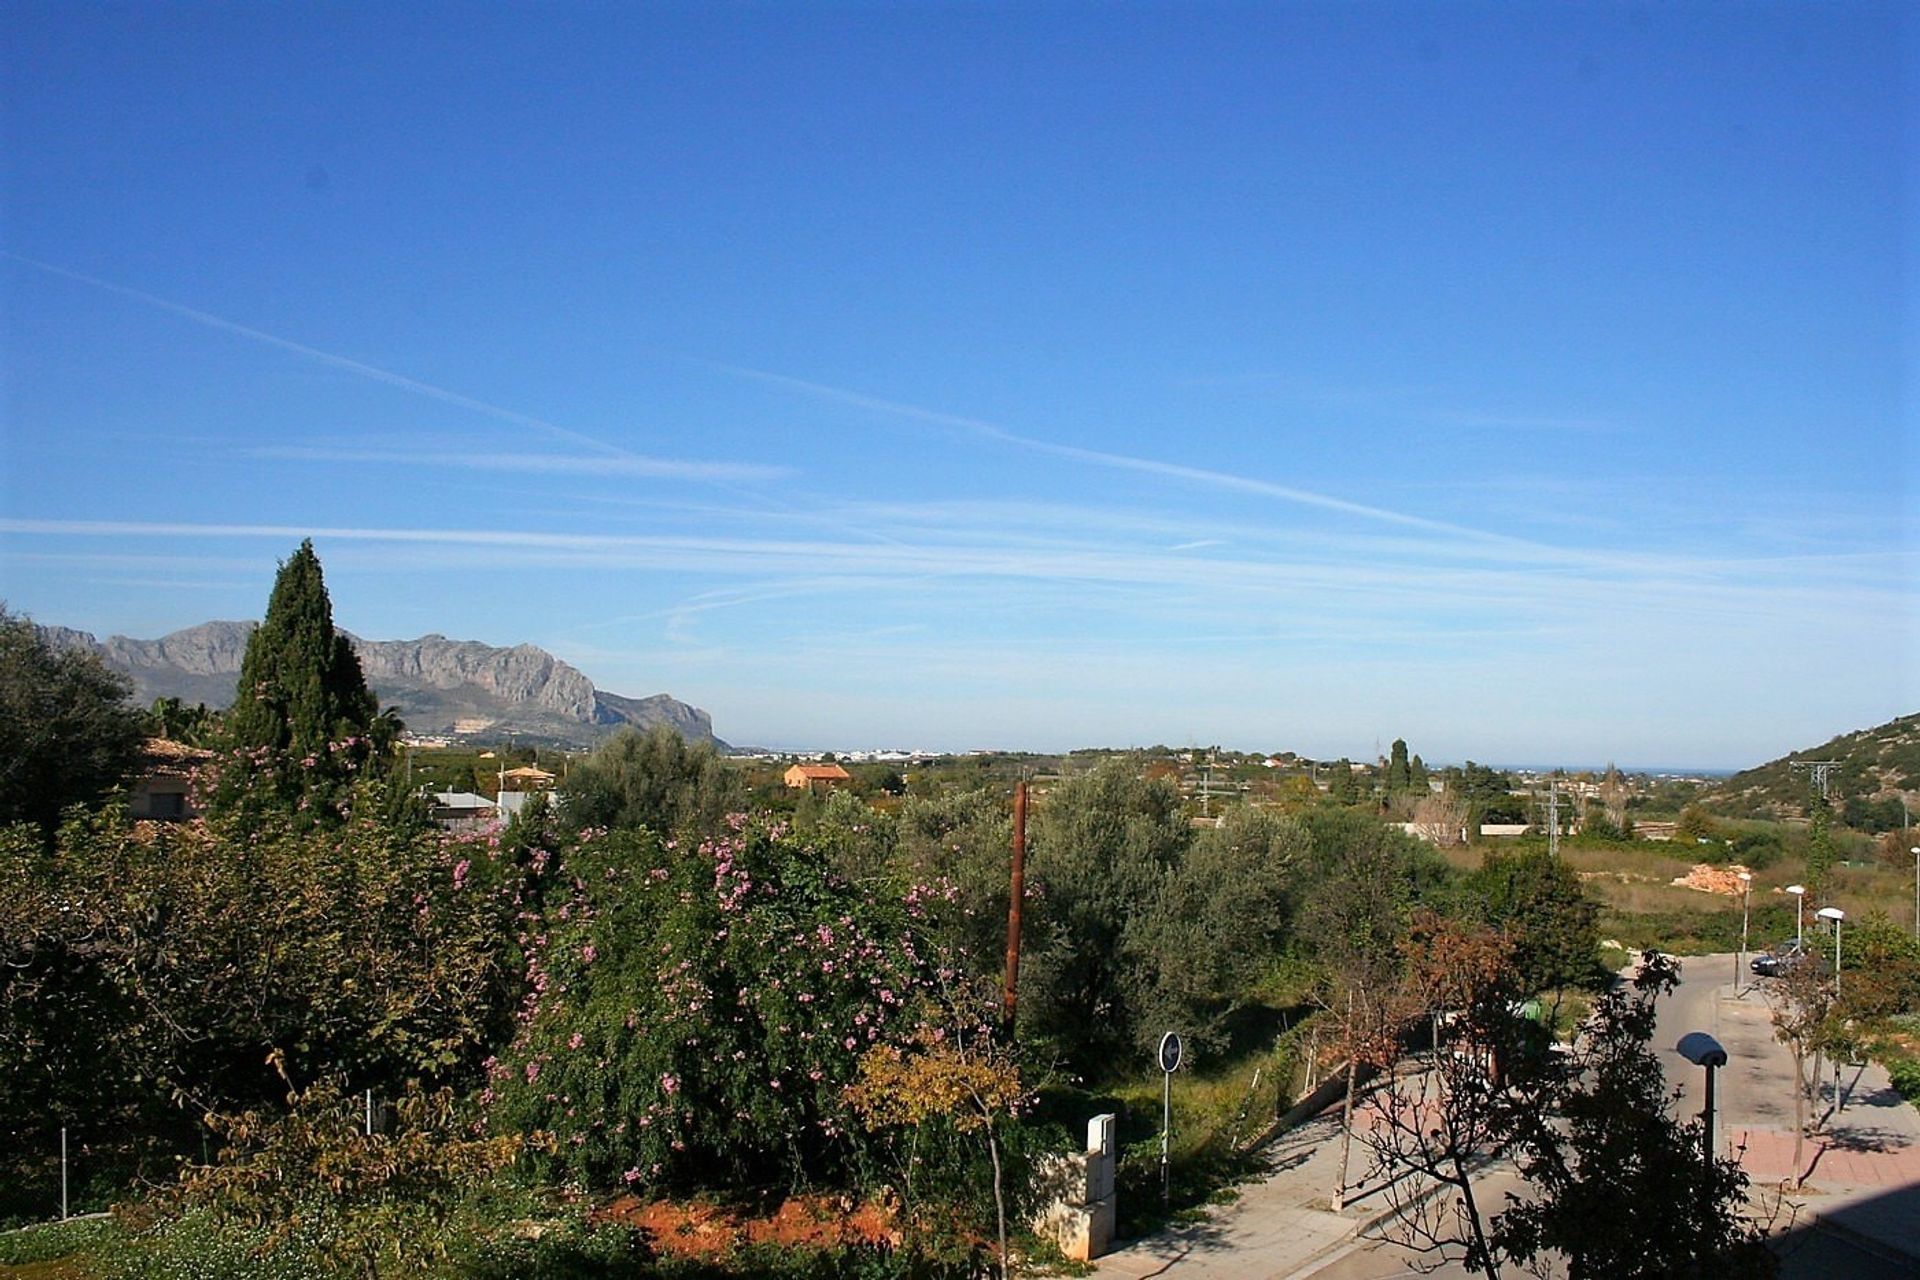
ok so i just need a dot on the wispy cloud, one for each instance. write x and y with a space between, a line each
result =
1399 591
1428 405
1198 476
469 458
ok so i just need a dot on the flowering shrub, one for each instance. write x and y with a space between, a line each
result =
695 1015
145 966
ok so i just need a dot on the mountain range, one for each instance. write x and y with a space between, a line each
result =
453 687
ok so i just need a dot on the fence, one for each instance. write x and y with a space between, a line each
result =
51 1172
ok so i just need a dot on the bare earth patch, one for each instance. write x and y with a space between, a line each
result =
1711 879
710 1232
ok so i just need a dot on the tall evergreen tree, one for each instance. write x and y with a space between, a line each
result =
1399 772
298 728
1342 786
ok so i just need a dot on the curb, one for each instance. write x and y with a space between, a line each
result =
1859 1239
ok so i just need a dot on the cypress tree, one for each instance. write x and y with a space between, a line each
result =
298 728
1399 772
1342 786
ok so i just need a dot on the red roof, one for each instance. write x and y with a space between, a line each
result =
822 772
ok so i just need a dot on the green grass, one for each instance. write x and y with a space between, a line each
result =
53 1241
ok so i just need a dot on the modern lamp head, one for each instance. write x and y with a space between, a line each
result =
1744 877
1796 889
1701 1049
1834 914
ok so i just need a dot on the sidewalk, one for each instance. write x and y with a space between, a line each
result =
1862 1166
1277 1227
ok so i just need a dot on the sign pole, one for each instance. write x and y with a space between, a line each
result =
1169 1063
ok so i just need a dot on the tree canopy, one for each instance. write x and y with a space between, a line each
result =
67 732
657 780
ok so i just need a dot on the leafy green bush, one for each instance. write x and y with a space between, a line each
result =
1905 1073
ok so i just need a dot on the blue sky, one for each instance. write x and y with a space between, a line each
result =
1533 382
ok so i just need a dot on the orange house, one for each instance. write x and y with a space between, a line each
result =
817 777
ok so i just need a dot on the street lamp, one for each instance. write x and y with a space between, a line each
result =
1702 1050
1799 892
1915 851
1836 915
1746 900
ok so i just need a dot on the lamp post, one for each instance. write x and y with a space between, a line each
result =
1915 851
1746 901
1836 915
1702 1050
1799 892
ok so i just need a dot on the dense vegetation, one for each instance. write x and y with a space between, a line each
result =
313 1034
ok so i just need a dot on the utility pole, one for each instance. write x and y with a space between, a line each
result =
1553 817
1820 770
1015 899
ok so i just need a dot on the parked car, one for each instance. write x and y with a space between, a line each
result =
1771 964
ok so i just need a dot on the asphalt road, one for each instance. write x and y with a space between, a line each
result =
1756 1086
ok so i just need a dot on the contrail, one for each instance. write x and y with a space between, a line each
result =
374 372
401 381
1116 461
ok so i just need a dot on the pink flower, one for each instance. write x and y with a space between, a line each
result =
575 1040
670 1083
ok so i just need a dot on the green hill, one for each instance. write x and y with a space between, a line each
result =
1874 768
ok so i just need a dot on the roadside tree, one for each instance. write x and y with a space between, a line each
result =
1439 1120
1800 1000
967 1082
1621 1189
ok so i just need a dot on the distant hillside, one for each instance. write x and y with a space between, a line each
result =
442 686
1872 764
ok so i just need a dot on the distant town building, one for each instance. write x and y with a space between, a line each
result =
817 777
163 788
